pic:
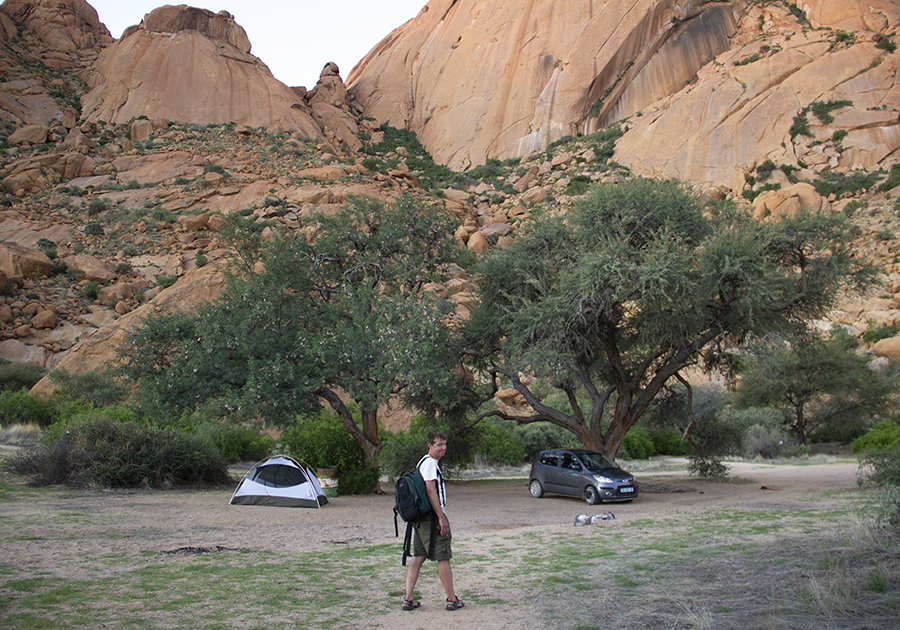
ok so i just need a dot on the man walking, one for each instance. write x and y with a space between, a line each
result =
425 529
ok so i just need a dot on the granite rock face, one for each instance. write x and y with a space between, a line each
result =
709 90
191 65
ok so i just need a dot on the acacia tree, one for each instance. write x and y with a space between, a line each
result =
636 283
815 382
341 315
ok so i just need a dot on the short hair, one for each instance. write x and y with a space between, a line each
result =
434 436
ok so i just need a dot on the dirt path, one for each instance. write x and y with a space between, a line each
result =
482 515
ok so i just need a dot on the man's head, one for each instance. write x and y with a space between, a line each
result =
437 444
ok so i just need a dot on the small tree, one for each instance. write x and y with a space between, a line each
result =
815 382
343 314
635 284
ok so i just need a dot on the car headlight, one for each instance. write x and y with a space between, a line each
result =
602 479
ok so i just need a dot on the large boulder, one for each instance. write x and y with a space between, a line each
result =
193 66
60 25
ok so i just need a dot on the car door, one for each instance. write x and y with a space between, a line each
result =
571 475
548 471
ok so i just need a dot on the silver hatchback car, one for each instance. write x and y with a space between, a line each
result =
580 473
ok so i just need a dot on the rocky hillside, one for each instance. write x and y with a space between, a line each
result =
111 204
710 89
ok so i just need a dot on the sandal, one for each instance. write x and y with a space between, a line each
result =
455 605
411 604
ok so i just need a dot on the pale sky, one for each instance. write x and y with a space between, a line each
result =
294 38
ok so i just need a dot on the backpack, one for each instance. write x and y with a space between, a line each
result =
411 503
410 498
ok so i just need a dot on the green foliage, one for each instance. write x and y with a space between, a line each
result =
100 450
839 184
20 407
430 174
884 435
165 280
322 440
892 181
123 268
823 109
800 127
94 229
668 442
638 444
345 312
541 436
90 289
498 444
578 185
881 468
99 388
16 376
236 443
96 206
875 333
886 43
635 276
797 12
816 383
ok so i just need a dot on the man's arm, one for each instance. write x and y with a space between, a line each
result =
431 491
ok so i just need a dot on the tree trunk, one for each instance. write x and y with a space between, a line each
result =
367 438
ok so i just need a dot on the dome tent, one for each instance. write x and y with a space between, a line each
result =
279 480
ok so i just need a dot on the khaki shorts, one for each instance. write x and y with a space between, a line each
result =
423 538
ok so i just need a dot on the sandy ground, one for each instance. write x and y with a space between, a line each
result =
154 521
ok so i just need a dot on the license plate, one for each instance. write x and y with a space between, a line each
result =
625 490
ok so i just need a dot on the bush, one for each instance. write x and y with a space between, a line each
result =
637 444
403 451
669 442
541 436
98 450
16 376
323 441
768 441
96 206
880 468
22 408
236 444
884 435
100 389
94 229
498 445
90 289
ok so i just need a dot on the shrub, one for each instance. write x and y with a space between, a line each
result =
22 408
884 435
166 280
876 333
236 444
578 185
100 389
541 436
90 289
99 450
123 268
668 442
94 229
880 468
637 444
96 206
323 441
768 441
16 376
498 445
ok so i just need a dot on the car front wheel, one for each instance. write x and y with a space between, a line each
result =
591 495
537 490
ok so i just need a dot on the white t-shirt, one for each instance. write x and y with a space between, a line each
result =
430 470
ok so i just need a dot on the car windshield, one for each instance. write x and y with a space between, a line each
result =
595 461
